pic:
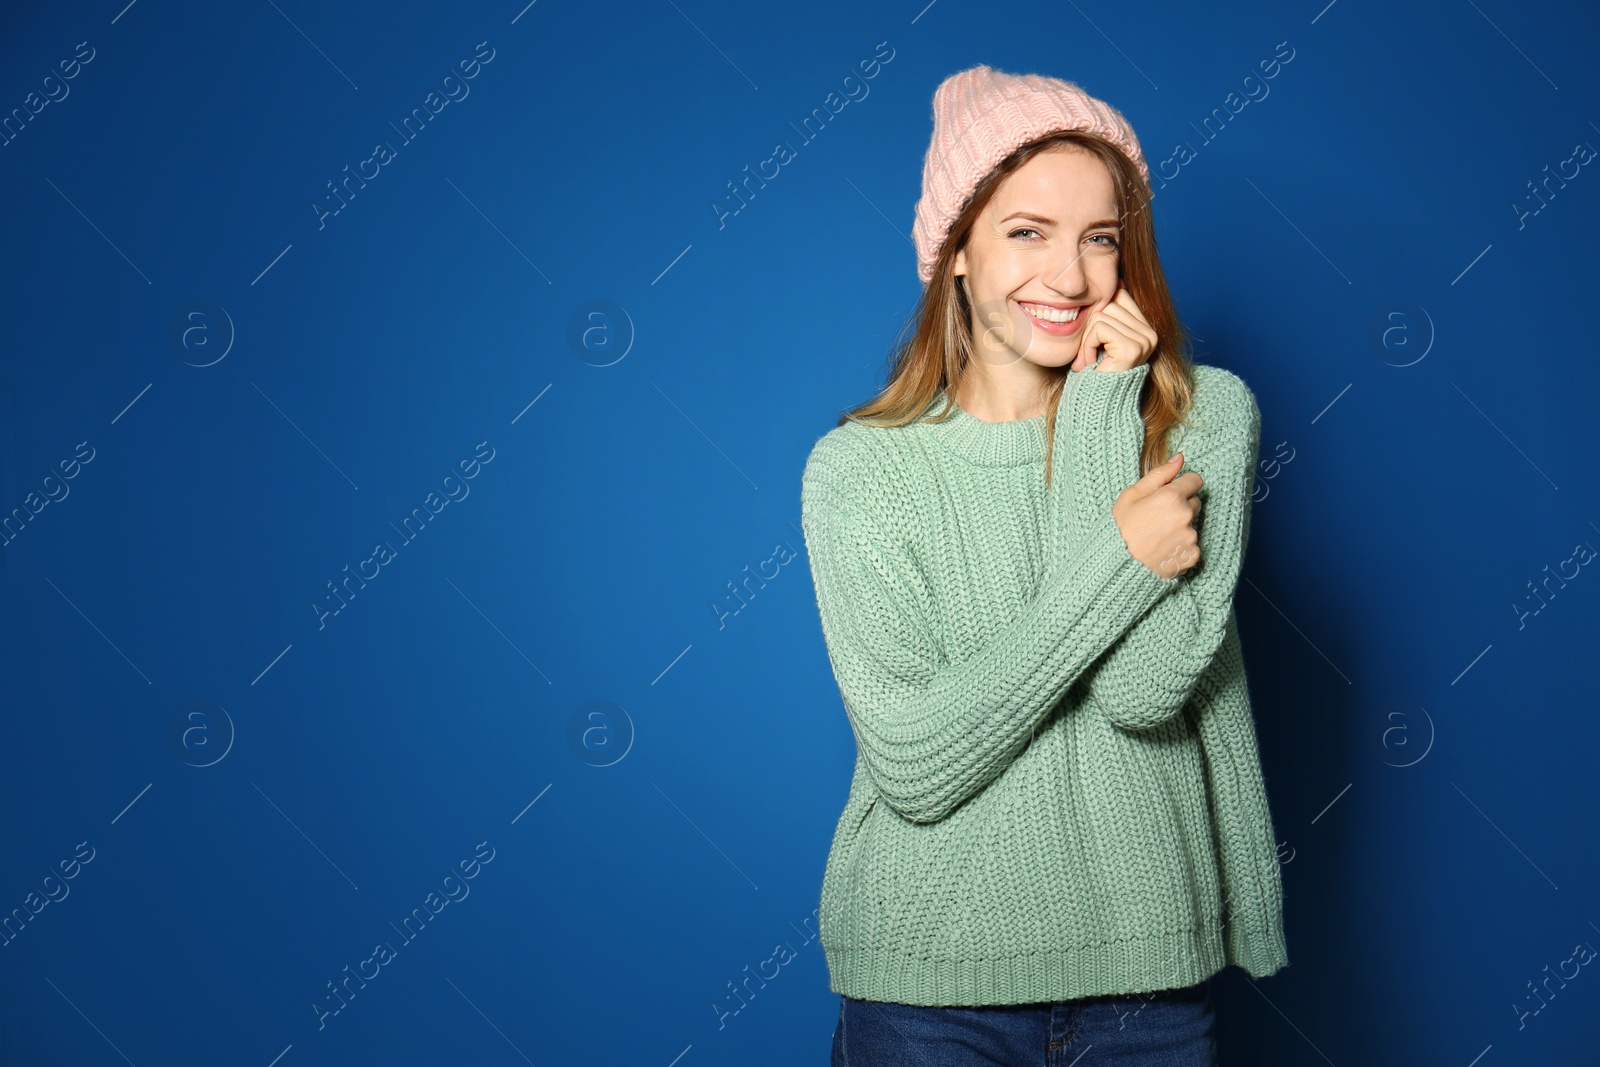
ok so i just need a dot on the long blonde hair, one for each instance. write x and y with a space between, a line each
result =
940 346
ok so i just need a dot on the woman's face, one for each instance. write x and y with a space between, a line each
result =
1048 242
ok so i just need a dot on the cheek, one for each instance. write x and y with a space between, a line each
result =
1010 272
1108 279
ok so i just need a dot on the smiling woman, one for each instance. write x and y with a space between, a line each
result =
1057 815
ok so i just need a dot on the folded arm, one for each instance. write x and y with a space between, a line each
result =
1147 676
933 733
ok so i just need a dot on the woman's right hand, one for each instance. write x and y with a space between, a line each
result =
1156 517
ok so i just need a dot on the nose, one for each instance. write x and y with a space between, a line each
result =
1065 273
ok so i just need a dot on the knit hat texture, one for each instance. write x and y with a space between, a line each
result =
982 115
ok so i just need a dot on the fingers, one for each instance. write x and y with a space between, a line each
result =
1125 313
1185 487
1188 488
1123 350
1089 340
1086 348
1179 560
1156 478
1122 328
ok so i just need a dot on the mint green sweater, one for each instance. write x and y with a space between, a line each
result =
1057 790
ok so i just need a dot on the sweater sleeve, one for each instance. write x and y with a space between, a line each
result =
1148 675
933 733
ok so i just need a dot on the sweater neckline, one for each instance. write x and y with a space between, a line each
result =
986 444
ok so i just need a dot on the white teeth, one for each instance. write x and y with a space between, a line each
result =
1050 314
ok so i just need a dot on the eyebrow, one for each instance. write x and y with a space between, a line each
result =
1044 221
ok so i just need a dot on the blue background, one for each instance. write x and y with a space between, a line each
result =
552 268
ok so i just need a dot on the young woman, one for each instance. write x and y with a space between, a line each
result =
1025 551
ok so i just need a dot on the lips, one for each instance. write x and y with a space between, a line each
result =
1047 326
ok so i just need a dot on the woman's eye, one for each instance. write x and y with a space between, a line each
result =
1025 229
1111 242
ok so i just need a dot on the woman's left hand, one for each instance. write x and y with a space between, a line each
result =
1122 328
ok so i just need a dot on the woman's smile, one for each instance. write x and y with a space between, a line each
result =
1057 320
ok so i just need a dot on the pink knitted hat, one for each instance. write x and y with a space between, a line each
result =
981 116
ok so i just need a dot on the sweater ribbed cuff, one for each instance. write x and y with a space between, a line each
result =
1164 960
1104 436
1105 399
1258 952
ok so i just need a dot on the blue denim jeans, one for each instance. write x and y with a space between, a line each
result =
1169 1028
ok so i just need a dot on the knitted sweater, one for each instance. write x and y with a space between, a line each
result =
1057 791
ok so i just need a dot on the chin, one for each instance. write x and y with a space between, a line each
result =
1054 361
